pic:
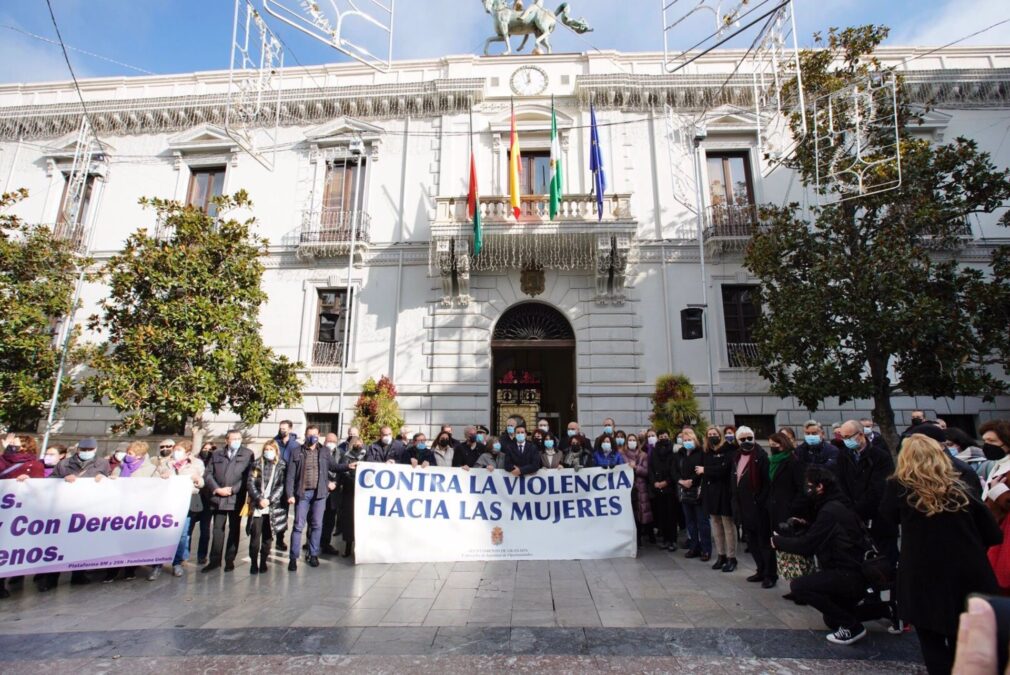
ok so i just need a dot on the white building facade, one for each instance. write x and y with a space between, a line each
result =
574 318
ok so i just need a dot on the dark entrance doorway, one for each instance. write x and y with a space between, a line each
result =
533 367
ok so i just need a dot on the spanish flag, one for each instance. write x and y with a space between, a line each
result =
515 169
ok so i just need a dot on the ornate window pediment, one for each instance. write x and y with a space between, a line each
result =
335 137
733 123
64 148
532 118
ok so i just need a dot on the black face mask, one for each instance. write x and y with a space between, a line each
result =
993 452
13 448
164 453
443 442
916 421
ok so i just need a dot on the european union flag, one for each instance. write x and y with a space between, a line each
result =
596 164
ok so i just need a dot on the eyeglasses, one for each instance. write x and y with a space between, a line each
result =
845 438
165 447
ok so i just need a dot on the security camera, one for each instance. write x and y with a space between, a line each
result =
700 133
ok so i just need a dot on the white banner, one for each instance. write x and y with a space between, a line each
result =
49 525
440 514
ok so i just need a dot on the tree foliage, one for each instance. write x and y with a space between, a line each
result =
862 298
377 408
38 273
674 405
182 323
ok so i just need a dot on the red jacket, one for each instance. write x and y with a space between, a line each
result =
17 464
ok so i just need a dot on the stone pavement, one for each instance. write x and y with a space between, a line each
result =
659 612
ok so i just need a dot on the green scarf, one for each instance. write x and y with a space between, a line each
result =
775 462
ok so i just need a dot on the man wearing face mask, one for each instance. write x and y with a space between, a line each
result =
387 449
873 437
524 458
918 418
469 450
332 501
310 478
83 464
346 471
870 468
814 450
226 477
570 432
508 437
608 430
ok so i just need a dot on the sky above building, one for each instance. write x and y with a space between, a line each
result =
179 36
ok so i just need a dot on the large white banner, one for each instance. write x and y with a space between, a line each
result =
49 525
440 514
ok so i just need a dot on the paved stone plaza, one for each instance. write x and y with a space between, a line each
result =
656 613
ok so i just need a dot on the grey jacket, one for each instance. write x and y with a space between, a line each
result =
234 473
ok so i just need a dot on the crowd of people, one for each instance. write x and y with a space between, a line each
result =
828 510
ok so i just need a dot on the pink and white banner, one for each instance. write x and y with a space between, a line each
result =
55 526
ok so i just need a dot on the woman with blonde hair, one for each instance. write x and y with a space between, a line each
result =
269 514
945 533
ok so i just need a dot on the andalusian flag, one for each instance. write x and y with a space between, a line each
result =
556 187
473 205
515 169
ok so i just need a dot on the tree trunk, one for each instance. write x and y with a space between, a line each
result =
883 413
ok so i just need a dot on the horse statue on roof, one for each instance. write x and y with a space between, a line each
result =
511 18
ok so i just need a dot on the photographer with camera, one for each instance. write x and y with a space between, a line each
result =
836 538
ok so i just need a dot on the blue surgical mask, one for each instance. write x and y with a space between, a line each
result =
572 432
86 455
689 445
421 445
521 437
510 428
605 446
549 444
851 443
608 429
730 438
867 430
234 445
496 447
619 441
812 439
480 438
952 451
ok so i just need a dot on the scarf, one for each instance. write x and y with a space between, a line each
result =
775 463
747 462
130 464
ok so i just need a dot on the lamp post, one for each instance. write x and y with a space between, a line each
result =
700 134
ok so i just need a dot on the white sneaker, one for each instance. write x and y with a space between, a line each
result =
177 571
845 636
155 573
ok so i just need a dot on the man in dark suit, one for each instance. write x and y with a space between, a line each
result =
225 478
522 458
311 477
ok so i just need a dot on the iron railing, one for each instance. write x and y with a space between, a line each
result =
731 221
329 354
742 354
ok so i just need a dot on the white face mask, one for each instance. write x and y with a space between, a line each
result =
51 460
86 455
386 440
632 444
544 428
178 455
269 455
120 455
331 446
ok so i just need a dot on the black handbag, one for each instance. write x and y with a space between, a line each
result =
691 495
876 568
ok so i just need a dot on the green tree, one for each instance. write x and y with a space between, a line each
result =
862 289
182 326
377 408
38 273
674 405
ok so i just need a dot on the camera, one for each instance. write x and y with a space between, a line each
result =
792 527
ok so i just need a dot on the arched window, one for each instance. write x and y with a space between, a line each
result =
533 321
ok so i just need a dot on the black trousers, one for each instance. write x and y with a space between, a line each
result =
233 520
834 593
662 512
937 651
261 536
759 543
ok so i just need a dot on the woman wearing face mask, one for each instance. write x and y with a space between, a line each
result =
54 455
182 463
494 458
699 530
963 447
550 456
135 462
717 497
443 454
620 439
786 496
995 439
662 484
638 459
607 456
205 515
20 459
346 479
578 454
750 491
269 509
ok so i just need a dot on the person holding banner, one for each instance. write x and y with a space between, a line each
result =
493 459
523 458
550 456
226 476
54 455
387 449
469 450
270 510
417 453
20 458
607 456
578 455
182 463
136 463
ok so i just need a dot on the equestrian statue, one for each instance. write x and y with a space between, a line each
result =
511 18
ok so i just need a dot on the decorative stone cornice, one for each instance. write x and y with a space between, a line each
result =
298 107
955 88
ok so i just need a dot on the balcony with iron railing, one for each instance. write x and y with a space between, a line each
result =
571 240
728 227
327 232
75 234
742 354
327 354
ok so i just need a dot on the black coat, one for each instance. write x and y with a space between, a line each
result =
345 484
835 536
328 470
870 472
261 476
467 456
377 452
690 460
661 469
716 488
750 491
527 460
786 497
942 559
234 473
